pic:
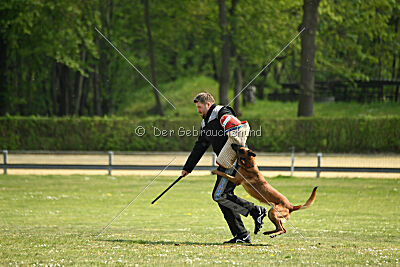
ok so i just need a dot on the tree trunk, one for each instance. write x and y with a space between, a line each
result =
396 97
80 86
3 77
61 95
54 89
97 81
238 87
105 75
224 79
291 78
158 107
84 108
279 72
396 92
96 92
28 107
238 77
260 88
214 66
308 48
78 96
62 99
47 98
65 90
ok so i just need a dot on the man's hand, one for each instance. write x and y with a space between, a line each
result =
184 173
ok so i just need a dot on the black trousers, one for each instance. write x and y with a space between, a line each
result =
231 205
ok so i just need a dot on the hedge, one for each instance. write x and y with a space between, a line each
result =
329 135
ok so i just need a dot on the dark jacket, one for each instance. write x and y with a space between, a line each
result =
211 133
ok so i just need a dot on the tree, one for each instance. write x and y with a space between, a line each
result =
53 62
158 106
224 78
238 77
308 48
106 8
3 78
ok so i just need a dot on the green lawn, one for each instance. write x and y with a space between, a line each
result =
54 219
273 109
182 91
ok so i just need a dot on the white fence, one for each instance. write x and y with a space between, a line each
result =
278 162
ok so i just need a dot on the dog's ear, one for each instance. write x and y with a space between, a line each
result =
251 153
235 147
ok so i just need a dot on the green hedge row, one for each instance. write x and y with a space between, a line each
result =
329 135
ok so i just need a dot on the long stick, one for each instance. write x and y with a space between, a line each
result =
133 200
169 187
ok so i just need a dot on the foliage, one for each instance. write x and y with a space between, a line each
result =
57 64
364 40
344 135
337 135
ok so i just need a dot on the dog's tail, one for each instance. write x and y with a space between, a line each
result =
309 202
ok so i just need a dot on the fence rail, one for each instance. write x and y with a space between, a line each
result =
177 167
110 167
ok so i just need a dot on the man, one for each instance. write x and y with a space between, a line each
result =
212 132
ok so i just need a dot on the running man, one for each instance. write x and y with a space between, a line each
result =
212 132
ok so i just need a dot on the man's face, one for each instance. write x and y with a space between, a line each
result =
202 109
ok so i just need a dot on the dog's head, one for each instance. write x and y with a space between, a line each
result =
245 156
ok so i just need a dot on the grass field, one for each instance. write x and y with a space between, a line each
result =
181 92
54 219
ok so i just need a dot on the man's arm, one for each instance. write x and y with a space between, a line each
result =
198 150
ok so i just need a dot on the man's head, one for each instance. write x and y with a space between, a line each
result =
203 103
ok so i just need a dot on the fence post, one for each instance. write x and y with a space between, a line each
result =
292 165
319 155
110 161
5 158
214 159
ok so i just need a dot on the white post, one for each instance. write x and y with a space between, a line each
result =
292 165
110 161
319 155
5 157
214 159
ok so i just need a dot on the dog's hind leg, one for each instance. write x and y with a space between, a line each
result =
273 215
274 221
282 231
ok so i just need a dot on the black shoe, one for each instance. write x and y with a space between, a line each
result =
239 239
258 215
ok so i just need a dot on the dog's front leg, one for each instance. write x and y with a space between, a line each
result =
227 176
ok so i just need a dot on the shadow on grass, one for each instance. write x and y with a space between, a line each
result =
148 242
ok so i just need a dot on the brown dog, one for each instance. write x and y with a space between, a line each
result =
255 184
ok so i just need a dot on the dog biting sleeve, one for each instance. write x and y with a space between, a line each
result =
236 135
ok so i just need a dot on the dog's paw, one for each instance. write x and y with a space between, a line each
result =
270 233
214 172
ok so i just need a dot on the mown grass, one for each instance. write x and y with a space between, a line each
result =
54 220
181 92
272 109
